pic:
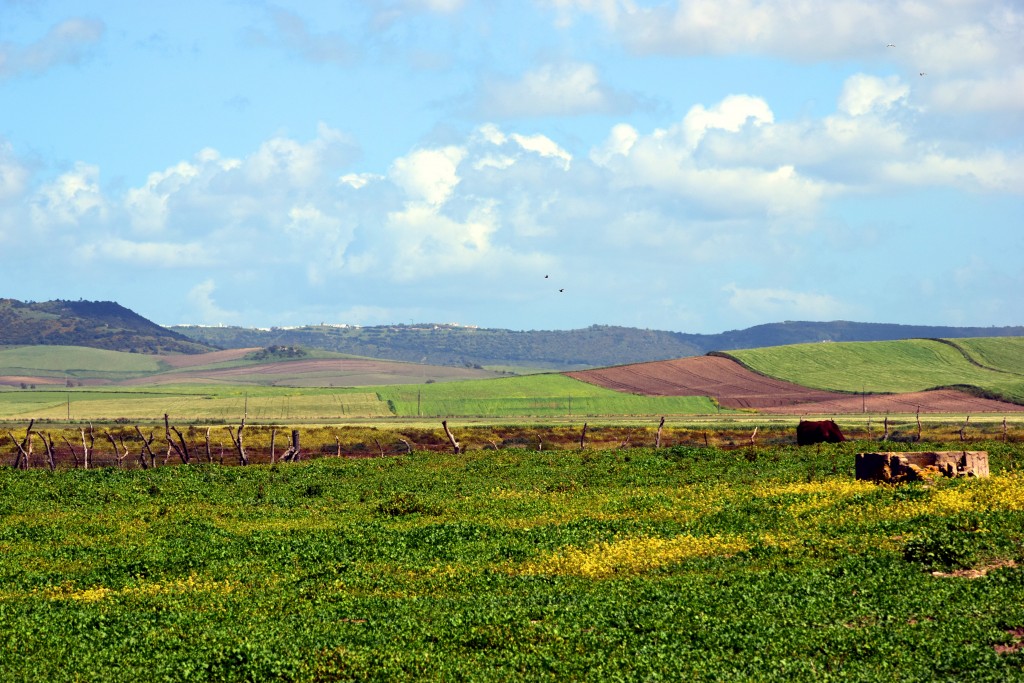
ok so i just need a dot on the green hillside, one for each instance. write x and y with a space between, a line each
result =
76 362
895 366
97 324
999 353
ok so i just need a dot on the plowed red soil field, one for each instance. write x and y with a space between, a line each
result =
733 386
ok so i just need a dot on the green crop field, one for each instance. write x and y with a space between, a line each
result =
75 361
529 396
680 564
1001 353
532 395
888 367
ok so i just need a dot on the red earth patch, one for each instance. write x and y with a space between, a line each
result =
735 387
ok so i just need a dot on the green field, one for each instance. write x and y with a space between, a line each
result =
74 362
1001 353
679 564
548 395
541 395
895 366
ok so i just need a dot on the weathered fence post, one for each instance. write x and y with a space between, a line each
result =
451 437
24 448
243 459
292 454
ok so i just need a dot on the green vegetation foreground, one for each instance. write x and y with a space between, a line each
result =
625 564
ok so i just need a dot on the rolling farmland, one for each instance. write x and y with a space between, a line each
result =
830 378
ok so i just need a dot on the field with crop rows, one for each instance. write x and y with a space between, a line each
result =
897 366
1001 353
528 396
698 564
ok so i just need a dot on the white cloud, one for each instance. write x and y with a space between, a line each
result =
427 241
14 175
200 298
147 205
260 188
296 163
149 254
359 180
863 94
70 198
553 90
665 161
68 42
987 171
775 304
544 146
428 175
731 114
1003 91
962 44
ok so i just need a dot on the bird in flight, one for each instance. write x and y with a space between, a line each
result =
545 277
922 74
891 45
561 290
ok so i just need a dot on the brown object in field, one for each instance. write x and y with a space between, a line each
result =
810 432
920 466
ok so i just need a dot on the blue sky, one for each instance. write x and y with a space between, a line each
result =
696 166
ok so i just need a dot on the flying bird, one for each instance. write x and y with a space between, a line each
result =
561 290
922 74
890 45
545 277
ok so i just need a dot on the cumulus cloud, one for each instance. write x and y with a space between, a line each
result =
259 189
553 90
731 114
665 160
428 175
863 94
960 43
70 198
68 42
200 298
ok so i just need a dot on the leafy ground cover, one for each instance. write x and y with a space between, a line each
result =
893 366
767 564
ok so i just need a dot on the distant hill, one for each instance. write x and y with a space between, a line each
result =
95 324
594 346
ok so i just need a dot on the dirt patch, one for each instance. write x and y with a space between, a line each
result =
18 380
976 572
735 387
317 373
1016 643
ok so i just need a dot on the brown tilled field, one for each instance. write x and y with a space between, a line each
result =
733 386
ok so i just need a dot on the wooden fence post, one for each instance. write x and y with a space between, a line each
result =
451 437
